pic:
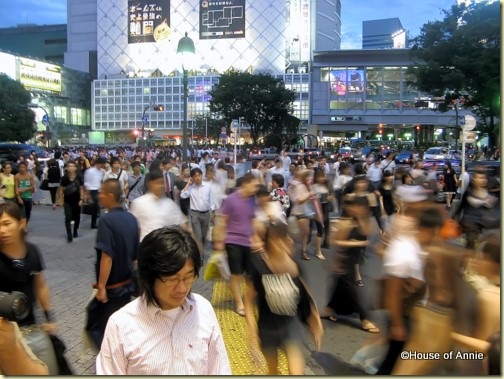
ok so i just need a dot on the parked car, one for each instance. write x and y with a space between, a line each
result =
436 153
311 152
362 153
405 157
256 154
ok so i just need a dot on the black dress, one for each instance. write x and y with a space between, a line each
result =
450 185
274 331
344 296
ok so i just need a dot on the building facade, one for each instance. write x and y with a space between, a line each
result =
63 93
120 104
363 92
383 34
46 42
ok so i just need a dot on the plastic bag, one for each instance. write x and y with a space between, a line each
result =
217 267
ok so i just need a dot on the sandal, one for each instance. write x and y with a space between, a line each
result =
240 311
369 327
331 318
321 257
359 283
305 257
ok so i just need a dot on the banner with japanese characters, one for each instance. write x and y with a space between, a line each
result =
148 20
222 19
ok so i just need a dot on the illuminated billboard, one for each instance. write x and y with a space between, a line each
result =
347 81
148 20
222 19
39 75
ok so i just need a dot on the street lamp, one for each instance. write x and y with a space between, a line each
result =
46 122
186 52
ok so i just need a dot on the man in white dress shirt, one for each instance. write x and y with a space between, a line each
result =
154 210
167 330
203 202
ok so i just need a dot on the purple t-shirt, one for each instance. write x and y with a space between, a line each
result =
240 212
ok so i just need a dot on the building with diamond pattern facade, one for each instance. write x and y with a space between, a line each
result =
130 48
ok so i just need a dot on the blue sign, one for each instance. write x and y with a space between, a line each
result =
145 119
45 119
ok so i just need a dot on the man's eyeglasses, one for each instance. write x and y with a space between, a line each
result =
173 281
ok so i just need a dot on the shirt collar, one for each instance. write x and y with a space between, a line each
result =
153 310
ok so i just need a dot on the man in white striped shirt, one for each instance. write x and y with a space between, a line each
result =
167 330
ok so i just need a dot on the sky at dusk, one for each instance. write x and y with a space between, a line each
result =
413 14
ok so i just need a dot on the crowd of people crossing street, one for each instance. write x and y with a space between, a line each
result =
160 220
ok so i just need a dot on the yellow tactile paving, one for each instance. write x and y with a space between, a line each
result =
234 331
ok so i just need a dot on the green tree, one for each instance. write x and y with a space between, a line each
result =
17 121
207 124
262 100
461 55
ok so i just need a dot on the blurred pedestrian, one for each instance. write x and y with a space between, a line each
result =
71 195
116 248
168 330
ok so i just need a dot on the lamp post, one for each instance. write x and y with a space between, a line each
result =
186 51
46 123
144 121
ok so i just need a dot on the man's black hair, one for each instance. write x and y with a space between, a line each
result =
164 252
195 171
279 179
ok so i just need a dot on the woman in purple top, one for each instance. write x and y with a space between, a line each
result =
233 231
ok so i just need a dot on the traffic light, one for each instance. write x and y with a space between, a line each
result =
135 133
151 134
418 128
158 108
380 128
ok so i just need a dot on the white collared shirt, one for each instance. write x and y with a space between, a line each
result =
142 339
153 213
93 178
374 173
202 197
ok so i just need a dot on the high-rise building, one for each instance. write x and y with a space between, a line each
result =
138 38
47 42
386 33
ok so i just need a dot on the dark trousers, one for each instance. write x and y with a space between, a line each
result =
28 205
96 207
98 314
72 213
344 298
393 353
53 191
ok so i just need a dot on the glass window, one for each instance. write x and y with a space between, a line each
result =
392 74
337 104
104 92
146 91
324 74
60 113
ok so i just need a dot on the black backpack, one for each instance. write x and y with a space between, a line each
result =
54 174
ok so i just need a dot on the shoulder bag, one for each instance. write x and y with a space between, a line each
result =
282 295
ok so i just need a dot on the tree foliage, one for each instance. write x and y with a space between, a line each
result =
262 100
461 54
207 124
17 121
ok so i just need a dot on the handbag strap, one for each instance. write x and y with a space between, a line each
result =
134 185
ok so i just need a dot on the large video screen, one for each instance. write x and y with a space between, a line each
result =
222 19
347 81
148 20
39 75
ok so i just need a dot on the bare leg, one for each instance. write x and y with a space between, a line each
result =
295 359
271 356
304 229
234 284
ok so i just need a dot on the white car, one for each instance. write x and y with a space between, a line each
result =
436 154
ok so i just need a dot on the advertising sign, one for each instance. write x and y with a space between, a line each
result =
39 75
148 20
343 82
222 19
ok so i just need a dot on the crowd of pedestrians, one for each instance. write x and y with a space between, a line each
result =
159 219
